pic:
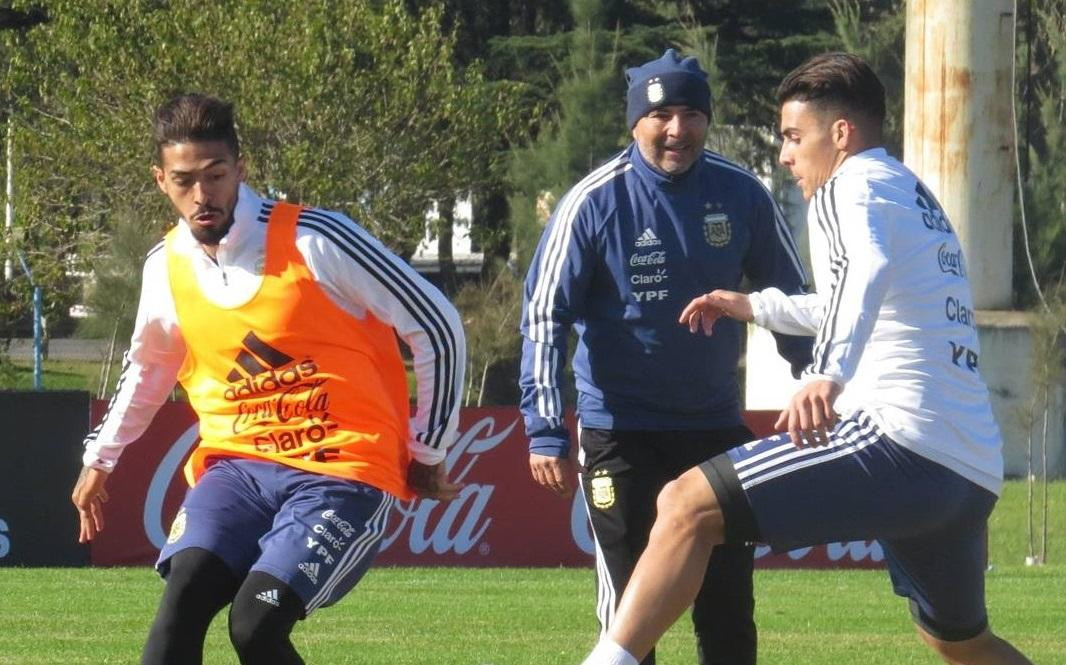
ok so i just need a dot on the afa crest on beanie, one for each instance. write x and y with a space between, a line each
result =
667 81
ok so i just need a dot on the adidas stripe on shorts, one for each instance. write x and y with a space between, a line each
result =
930 521
315 533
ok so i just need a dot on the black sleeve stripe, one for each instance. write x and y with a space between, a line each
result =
816 204
264 211
114 396
417 307
829 220
158 246
421 307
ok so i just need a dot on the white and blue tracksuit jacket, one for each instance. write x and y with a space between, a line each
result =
625 250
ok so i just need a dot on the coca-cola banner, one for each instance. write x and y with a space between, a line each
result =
500 518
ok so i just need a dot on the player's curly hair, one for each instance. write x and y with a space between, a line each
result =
194 117
839 81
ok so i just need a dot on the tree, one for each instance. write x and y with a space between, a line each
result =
353 106
1043 150
490 319
15 294
588 126
876 33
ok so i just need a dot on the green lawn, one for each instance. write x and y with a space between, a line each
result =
83 375
58 375
480 616
409 616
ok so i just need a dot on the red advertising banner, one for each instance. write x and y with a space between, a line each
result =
500 518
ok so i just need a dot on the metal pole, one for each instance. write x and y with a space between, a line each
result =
38 340
9 207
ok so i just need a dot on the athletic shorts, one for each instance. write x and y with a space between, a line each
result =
930 521
315 533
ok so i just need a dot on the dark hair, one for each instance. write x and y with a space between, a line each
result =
194 117
839 81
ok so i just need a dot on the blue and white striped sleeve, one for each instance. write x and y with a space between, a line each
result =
553 298
360 274
858 238
149 369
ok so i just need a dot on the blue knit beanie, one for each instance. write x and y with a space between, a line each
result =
667 81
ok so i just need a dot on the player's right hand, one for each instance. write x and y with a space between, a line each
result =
552 473
89 497
430 481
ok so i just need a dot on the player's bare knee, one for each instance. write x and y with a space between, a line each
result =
689 504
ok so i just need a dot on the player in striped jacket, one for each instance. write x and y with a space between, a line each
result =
281 323
892 436
626 249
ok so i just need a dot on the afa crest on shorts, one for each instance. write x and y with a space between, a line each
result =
177 527
602 489
717 230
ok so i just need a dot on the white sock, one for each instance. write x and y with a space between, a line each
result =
608 652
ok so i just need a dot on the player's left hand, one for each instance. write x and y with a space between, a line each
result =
431 481
809 418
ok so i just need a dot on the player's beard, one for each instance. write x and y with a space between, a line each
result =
211 235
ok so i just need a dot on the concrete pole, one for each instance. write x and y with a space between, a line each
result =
958 132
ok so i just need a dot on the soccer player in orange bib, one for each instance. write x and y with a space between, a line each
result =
280 322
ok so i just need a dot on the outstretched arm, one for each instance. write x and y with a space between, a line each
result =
149 372
704 311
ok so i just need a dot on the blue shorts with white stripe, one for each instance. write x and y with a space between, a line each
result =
930 521
315 533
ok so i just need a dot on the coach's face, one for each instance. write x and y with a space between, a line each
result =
671 138
813 144
201 179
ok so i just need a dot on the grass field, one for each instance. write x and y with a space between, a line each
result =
58 374
81 375
418 616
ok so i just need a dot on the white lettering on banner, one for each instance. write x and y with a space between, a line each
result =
799 553
5 539
157 489
856 550
445 536
449 533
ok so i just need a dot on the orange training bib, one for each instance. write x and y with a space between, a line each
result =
289 376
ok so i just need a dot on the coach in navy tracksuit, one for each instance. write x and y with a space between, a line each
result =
626 249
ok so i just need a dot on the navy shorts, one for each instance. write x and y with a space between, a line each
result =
315 533
930 521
